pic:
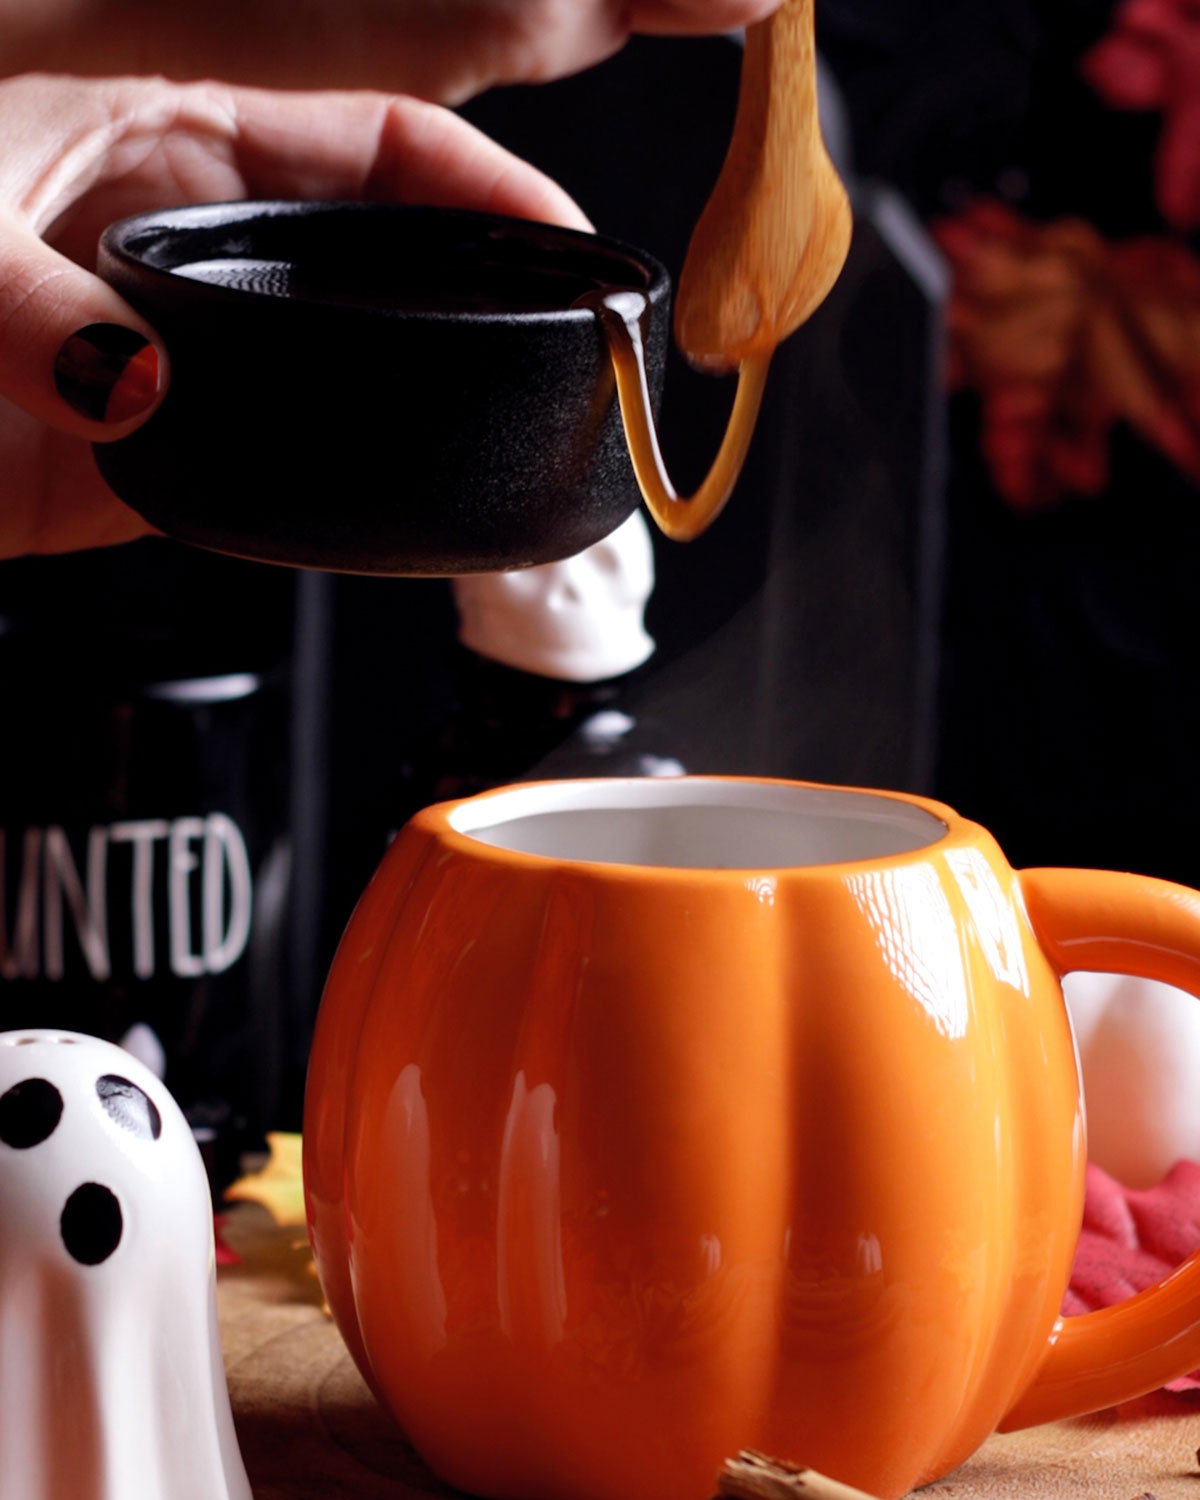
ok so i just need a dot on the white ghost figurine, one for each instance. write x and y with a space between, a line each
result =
112 1385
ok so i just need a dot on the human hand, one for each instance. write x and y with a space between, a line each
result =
79 154
446 50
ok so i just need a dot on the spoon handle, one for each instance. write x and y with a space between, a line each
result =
775 232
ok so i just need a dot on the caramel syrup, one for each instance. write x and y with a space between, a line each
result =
620 312
768 247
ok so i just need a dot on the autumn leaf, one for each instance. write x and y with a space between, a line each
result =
1131 1239
1064 335
1151 61
223 1254
279 1187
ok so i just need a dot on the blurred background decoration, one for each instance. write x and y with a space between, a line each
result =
1047 144
960 561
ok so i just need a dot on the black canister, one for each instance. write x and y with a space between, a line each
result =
146 871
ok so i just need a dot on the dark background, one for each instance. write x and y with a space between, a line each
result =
1069 703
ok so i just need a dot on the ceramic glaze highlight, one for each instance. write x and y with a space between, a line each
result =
616 1168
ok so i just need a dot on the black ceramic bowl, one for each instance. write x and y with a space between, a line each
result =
378 389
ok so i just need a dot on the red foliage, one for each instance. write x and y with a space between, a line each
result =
225 1256
1130 1239
1065 335
1151 61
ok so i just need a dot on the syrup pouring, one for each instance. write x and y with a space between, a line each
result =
768 248
423 396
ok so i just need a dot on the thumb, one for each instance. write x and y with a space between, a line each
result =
73 353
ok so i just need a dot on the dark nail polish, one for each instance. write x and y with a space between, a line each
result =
107 372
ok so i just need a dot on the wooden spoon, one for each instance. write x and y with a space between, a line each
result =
774 235
770 244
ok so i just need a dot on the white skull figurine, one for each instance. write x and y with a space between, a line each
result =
580 619
111 1380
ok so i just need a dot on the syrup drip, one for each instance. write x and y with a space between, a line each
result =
620 313
768 247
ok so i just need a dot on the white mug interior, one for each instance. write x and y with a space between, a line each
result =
696 822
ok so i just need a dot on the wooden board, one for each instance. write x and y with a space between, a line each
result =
310 1429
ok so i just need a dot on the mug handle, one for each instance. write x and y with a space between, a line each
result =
1127 924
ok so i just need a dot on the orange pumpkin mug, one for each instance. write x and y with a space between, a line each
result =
651 1120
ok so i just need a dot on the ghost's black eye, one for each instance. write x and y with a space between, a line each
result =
29 1111
125 1103
91 1224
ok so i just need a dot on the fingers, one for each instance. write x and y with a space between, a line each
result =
52 498
388 148
697 17
428 155
72 353
76 356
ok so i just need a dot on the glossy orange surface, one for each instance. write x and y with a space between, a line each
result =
615 1169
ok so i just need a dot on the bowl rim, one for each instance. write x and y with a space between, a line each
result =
115 248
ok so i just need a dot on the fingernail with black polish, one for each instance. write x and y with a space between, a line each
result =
107 372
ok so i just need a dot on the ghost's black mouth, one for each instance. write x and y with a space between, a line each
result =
91 1224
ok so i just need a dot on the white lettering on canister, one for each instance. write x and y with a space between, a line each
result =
225 854
141 833
180 864
19 958
206 873
61 883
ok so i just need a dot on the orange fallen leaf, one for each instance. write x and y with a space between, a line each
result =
279 1186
